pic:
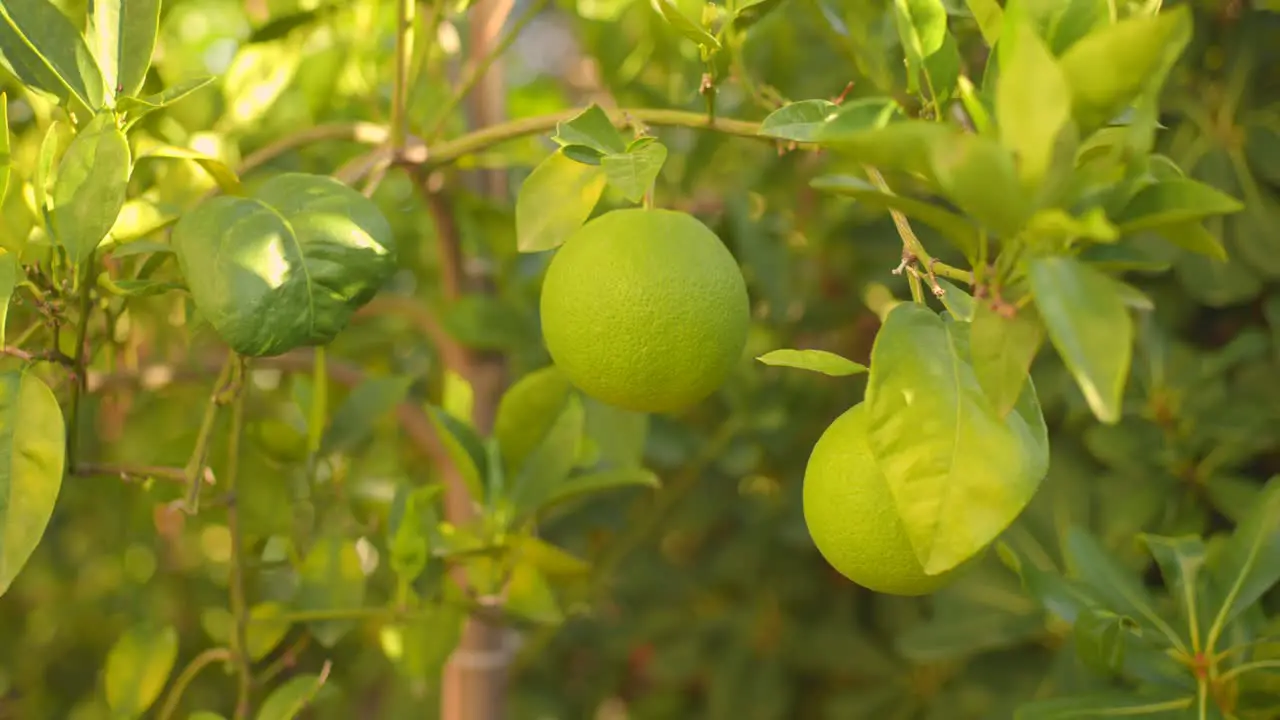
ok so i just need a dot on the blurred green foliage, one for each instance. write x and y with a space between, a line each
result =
704 598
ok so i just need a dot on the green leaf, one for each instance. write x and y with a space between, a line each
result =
827 363
265 629
1174 202
41 47
412 516
90 187
287 267
990 18
1100 640
633 172
1120 590
1108 68
139 107
683 25
464 448
526 411
598 482
1033 102
136 288
9 270
551 462
922 29
291 697
205 715
44 170
529 596
137 668
751 12
979 176
33 443
591 128
907 145
1181 559
124 34
1249 563
353 422
330 579
958 474
1098 706
959 638
1089 326
615 437
429 638
1003 348
957 302
955 228
221 173
6 160
799 121
860 115
555 200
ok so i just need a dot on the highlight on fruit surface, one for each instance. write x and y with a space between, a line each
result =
851 516
645 310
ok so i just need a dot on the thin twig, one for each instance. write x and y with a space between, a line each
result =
239 609
194 469
81 361
189 673
140 473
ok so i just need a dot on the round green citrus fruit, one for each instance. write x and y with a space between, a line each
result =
851 517
645 310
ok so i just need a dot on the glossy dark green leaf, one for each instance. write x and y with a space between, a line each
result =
1249 563
683 25
1174 203
9 272
942 71
979 176
1107 68
800 121
958 474
555 200
90 187
124 35
464 447
962 233
353 421
591 128
821 361
138 107
527 411
1090 327
44 50
1100 640
1033 102
290 698
137 668
331 579
1099 706
1121 590
33 441
287 267
550 463
598 482
633 172
1003 348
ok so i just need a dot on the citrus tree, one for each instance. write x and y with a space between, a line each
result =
282 330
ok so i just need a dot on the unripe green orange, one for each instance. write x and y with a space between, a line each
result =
851 516
645 310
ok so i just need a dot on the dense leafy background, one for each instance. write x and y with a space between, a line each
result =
708 598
